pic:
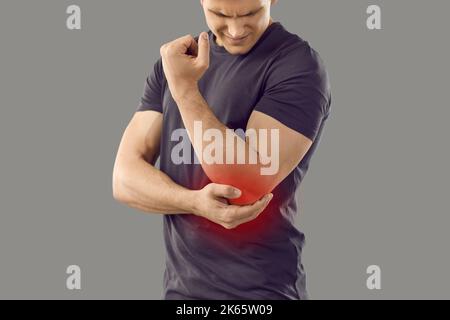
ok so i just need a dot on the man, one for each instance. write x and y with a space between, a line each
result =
226 238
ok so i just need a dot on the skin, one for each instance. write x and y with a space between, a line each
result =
235 19
232 198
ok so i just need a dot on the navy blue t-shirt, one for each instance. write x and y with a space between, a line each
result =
283 77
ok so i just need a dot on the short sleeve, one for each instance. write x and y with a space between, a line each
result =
152 96
297 91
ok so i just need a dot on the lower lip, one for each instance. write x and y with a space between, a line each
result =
237 42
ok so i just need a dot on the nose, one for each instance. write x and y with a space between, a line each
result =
236 30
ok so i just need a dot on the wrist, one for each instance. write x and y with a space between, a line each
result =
189 201
186 92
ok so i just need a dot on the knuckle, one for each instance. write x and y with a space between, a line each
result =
260 210
228 226
227 219
254 214
213 185
168 48
233 211
223 216
203 68
163 49
203 64
217 189
210 188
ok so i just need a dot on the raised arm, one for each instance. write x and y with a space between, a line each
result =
287 146
295 101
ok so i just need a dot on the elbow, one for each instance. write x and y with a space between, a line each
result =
252 184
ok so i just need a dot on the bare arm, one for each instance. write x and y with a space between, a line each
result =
136 182
290 149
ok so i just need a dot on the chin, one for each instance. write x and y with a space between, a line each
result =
235 51
238 49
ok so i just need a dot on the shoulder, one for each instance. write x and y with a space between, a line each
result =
297 54
295 58
298 67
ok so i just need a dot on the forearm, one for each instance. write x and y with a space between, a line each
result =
141 186
245 175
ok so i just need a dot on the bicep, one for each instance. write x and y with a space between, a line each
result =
291 145
142 136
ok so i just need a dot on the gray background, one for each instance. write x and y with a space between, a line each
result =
376 191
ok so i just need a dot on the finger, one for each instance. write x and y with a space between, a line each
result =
249 217
225 191
243 212
185 44
203 49
222 202
193 49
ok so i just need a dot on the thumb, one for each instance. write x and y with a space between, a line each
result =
226 191
203 49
